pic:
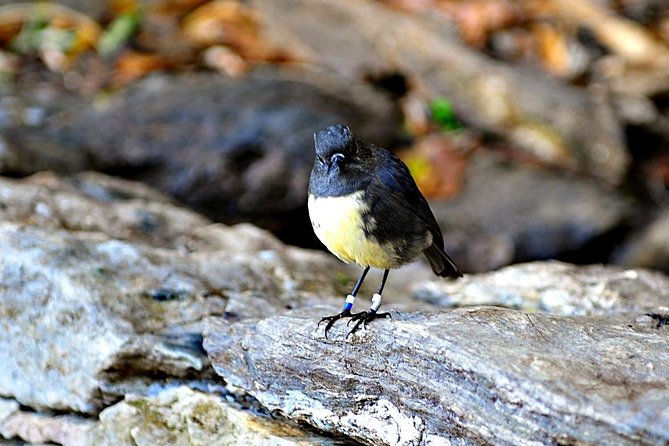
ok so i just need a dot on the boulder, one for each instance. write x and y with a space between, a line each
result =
647 246
235 149
125 319
472 375
105 285
554 288
170 416
509 212
183 417
42 428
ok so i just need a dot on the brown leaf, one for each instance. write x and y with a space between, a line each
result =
222 22
477 19
624 37
552 49
235 25
222 59
174 7
13 17
438 163
131 65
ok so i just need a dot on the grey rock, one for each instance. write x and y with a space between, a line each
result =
554 121
7 408
168 416
554 288
231 148
510 212
124 210
91 307
181 416
40 428
104 292
479 375
98 306
648 246
133 212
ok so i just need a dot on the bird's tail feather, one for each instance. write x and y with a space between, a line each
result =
441 263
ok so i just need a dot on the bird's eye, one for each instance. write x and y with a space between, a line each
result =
337 158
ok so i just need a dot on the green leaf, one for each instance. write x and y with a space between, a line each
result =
444 115
119 32
29 38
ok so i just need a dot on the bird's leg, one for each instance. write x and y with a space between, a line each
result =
365 317
348 305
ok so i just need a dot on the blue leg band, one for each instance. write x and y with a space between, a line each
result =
349 302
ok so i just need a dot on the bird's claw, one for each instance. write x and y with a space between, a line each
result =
332 319
363 318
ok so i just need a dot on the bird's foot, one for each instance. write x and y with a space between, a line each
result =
363 318
334 318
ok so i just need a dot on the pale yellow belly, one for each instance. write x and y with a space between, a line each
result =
337 223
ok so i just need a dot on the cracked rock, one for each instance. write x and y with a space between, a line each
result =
93 302
474 375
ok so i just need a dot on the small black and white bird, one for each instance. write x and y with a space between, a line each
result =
366 209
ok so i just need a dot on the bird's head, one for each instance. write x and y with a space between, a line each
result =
337 148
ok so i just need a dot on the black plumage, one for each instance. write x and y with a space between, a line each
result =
390 213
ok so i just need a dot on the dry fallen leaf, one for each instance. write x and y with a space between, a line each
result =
438 163
14 17
477 19
552 49
172 7
224 22
131 65
224 60
233 24
624 37
56 33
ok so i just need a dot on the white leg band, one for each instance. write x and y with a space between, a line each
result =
376 302
349 302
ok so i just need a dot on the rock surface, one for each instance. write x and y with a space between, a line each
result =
173 416
231 148
36 428
648 247
509 212
89 311
554 288
105 284
108 291
181 416
469 376
478 375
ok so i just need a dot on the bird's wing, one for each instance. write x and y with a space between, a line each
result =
395 176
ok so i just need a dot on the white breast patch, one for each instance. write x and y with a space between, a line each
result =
338 223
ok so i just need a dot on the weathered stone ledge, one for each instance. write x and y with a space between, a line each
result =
479 375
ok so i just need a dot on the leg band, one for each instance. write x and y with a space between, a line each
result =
376 302
349 302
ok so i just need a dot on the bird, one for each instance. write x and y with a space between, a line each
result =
366 208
